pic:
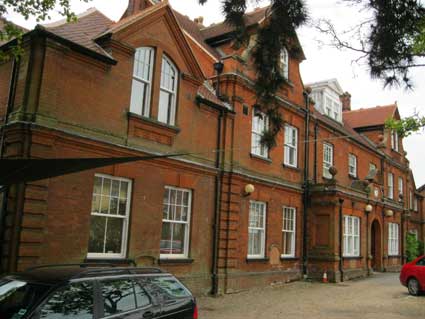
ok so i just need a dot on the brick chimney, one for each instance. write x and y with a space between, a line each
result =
135 6
346 101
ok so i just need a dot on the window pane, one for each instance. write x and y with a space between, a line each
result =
165 246
75 301
164 107
142 299
254 247
114 235
97 185
118 296
122 208
97 234
124 190
95 206
170 286
178 238
106 190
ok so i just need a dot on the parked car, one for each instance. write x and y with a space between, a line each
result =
92 292
412 276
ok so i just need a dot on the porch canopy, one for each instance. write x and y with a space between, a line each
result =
14 171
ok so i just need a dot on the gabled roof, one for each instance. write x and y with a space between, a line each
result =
347 130
330 83
421 189
123 23
84 30
194 31
375 116
251 18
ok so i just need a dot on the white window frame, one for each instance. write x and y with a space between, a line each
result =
142 107
352 225
165 83
415 204
291 144
393 239
332 107
187 223
289 226
327 163
262 209
410 199
125 219
352 165
394 140
284 63
260 124
400 187
390 183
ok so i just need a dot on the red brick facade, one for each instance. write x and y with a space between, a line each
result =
70 98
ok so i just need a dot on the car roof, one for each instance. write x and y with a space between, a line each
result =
56 274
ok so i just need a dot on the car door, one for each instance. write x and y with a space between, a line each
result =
175 300
75 300
125 298
420 272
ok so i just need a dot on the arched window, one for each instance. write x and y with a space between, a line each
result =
142 81
284 63
168 92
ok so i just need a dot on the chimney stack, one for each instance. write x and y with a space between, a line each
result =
135 6
346 101
199 21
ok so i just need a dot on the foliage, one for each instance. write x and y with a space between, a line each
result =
38 9
271 38
412 247
406 126
391 39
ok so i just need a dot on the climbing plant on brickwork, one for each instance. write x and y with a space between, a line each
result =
392 41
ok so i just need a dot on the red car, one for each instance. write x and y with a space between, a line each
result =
413 276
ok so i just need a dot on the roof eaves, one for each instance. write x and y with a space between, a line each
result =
75 46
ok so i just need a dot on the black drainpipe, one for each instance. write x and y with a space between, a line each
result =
306 182
5 190
218 67
341 261
316 134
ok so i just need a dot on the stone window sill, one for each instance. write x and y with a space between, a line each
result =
177 261
257 157
294 168
352 257
284 258
106 260
257 260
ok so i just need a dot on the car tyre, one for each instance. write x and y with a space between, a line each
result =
413 286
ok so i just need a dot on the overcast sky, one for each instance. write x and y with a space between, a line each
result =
322 62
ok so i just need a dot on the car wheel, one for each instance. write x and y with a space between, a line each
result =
413 287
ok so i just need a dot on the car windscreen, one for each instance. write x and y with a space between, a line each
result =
17 297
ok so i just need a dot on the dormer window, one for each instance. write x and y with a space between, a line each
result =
333 107
168 92
284 63
142 81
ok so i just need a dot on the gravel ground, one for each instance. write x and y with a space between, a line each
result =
380 296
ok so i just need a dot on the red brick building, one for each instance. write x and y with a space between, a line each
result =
230 214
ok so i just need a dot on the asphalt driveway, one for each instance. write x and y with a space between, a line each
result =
380 296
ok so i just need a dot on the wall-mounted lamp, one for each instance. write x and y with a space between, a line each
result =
368 208
389 213
249 189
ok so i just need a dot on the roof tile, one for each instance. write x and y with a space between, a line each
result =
374 116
